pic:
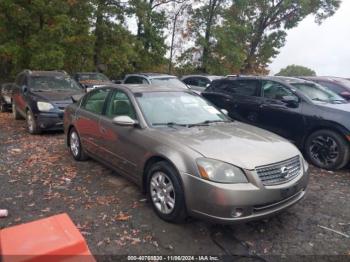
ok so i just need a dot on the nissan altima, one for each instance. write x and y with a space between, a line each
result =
186 154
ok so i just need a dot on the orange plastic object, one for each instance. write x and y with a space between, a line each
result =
51 239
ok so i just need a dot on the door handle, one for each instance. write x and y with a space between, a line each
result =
103 130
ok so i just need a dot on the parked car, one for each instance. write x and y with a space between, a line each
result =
41 97
341 86
313 117
5 96
187 155
91 80
154 79
199 82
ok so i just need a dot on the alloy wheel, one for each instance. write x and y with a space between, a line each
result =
74 143
162 192
324 149
30 122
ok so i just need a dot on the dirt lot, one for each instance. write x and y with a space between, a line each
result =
38 178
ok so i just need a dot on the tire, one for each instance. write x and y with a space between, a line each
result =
32 125
3 108
15 113
173 209
75 147
327 149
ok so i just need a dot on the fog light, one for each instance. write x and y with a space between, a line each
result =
237 212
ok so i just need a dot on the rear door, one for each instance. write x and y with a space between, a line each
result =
277 116
88 120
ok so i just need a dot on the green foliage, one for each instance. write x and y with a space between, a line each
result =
296 70
87 35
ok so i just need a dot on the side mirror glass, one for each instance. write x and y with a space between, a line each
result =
291 101
124 121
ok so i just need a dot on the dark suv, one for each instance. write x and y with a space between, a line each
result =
315 118
41 97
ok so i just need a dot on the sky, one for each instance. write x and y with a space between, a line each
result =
324 48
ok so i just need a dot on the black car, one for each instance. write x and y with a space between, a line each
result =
5 96
341 86
316 119
91 80
41 97
199 82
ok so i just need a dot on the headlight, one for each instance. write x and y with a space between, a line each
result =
44 107
221 172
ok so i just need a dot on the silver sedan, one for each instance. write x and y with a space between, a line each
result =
186 154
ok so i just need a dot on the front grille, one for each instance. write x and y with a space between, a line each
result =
279 173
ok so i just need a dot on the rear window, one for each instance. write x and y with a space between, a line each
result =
238 87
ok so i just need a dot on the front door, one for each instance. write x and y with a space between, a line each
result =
277 116
120 143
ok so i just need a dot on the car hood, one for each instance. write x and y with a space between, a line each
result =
240 144
55 96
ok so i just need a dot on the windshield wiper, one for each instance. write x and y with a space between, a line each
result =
207 122
320 100
169 124
40 90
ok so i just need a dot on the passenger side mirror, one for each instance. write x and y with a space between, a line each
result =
291 101
124 121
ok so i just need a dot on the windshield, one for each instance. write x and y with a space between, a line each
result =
168 82
316 92
177 108
344 82
53 82
96 76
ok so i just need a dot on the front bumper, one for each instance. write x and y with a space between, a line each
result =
232 203
50 121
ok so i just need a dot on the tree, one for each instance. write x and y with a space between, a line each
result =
266 22
296 70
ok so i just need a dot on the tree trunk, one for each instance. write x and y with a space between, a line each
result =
98 35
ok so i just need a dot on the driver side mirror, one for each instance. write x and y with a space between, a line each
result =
291 101
124 121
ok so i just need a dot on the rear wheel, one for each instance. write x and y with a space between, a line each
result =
166 193
32 125
75 147
327 149
15 113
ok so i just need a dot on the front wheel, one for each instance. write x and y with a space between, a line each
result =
32 125
3 107
166 193
75 147
327 149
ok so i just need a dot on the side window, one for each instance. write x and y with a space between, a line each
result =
135 80
95 101
120 105
276 91
203 82
244 87
192 81
20 80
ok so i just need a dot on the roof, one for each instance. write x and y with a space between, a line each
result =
211 77
324 78
151 75
45 73
87 73
139 88
287 80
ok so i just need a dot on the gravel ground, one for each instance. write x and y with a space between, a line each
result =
38 178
